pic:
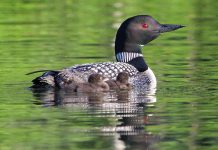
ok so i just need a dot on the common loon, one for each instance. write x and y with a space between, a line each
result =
95 83
121 82
131 35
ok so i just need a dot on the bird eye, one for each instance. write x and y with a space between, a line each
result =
144 25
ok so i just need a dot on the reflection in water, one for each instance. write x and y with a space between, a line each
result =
126 107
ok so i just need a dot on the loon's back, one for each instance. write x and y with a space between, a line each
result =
108 69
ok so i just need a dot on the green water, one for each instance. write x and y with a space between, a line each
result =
53 34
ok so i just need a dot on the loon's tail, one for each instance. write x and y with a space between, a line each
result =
46 80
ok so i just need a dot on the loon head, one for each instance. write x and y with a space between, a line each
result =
134 32
139 30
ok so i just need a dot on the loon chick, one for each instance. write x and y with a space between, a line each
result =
95 83
121 82
131 35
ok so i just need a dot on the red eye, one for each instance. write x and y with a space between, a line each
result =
144 25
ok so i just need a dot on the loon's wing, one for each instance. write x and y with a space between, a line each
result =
107 69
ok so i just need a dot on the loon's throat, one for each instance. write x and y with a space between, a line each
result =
127 56
135 59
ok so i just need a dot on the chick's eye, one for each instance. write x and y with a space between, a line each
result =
144 25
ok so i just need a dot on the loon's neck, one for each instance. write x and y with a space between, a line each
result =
130 53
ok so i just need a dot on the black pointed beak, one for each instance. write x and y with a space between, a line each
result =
169 27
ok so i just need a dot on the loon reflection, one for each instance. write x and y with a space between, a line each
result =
127 107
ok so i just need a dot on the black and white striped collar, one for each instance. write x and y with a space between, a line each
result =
127 56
